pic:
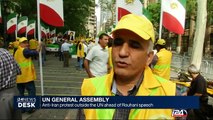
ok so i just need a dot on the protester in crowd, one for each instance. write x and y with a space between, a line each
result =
11 48
96 61
131 76
91 44
65 48
23 56
60 54
85 48
80 54
162 60
197 87
9 70
43 51
33 46
16 44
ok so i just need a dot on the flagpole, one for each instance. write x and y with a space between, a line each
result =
39 40
35 30
16 31
26 29
161 19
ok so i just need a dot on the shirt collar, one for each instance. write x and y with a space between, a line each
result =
133 90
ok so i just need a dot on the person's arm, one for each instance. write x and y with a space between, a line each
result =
86 66
29 53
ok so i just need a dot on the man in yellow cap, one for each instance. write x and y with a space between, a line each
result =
23 56
11 48
131 76
162 60
15 45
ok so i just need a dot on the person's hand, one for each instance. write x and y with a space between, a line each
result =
91 76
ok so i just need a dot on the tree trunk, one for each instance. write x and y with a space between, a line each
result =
191 32
197 52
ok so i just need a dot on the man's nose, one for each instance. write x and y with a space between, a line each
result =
124 50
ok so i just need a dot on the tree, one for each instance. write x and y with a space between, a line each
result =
199 33
108 6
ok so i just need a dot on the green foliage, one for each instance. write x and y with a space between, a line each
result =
209 12
154 11
191 6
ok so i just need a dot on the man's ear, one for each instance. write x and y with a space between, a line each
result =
149 58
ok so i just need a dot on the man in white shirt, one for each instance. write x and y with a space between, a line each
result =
65 47
96 62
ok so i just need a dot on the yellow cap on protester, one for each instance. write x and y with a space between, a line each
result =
140 25
22 39
17 38
161 42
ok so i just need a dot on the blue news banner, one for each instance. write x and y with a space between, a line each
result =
76 102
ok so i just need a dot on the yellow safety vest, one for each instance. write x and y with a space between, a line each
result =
33 44
152 86
80 52
162 67
27 68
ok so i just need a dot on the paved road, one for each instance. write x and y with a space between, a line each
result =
57 81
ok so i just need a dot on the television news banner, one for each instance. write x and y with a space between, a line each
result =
179 104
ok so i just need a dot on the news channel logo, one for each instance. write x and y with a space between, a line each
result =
25 102
179 113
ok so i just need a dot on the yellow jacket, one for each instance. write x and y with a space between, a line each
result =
162 67
80 52
27 68
33 44
151 86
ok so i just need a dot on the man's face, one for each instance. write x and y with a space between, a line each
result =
25 44
130 53
104 41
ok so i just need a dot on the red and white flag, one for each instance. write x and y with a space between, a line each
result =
125 7
51 12
22 24
53 33
31 27
0 14
11 23
174 13
43 31
48 32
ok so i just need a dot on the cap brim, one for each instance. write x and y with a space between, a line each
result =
140 33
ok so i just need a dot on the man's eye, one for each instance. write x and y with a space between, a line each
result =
118 42
134 44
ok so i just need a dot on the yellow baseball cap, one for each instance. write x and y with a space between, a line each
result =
22 39
140 25
161 42
10 43
17 38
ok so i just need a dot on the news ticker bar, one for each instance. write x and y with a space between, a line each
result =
100 102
